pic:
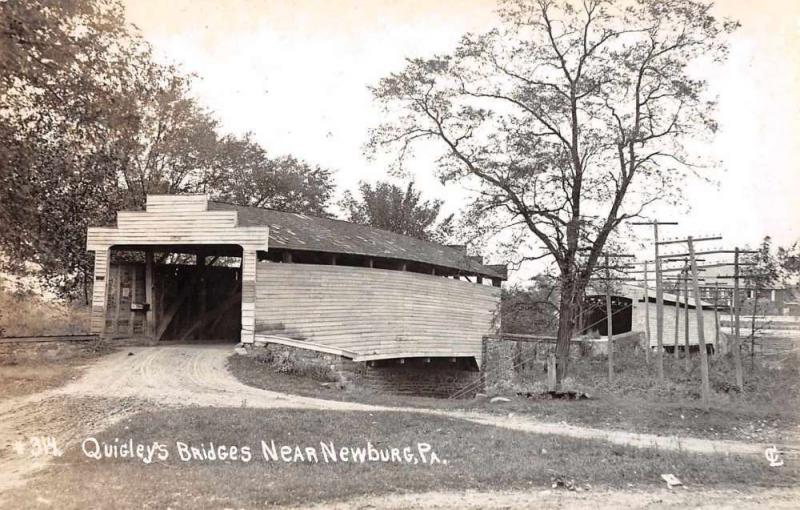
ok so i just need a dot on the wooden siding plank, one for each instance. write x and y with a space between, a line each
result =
176 202
98 320
374 312
249 264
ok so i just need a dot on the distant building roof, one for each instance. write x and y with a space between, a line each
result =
294 231
637 292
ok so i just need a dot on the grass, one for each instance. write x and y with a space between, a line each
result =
477 457
25 375
27 314
766 412
254 371
32 377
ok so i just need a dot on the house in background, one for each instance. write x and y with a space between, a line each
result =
188 269
780 299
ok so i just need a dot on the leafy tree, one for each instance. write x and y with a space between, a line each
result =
391 207
64 72
246 175
90 124
168 143
765 268
530 308
569 118
789 262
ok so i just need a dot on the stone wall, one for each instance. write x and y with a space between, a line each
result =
430 377
505 360
438 378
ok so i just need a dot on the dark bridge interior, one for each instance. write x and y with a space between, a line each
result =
594 315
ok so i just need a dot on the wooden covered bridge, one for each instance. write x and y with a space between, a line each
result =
188 268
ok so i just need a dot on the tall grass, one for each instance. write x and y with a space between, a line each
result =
25 313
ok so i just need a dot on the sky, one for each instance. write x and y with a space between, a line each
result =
295 73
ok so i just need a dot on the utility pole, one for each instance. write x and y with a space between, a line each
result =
720 301
687 362
659 298
684 278
716 313
737 342
610 326
677 291
736 312
609 315
646 316
705 386
647 327
677 318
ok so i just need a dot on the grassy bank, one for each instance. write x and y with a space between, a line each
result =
766 412
25 313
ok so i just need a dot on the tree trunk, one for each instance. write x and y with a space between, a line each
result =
85 284
566 323
753 330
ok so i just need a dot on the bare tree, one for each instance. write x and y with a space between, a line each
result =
571 117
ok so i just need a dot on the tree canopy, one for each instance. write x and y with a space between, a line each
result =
570 117
90 124
390 207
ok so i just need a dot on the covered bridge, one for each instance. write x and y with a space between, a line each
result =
632 308
188 268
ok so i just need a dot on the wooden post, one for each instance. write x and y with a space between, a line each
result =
118 283
551 372
735 348
753 327
479 278
677 318
131 313
659 312
730 312
701 342
287 257
609 324
249 270
687 350
659 299
716 316
100 291
646 316
201 281
333 260
149 295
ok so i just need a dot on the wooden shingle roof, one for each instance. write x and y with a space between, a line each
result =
294 231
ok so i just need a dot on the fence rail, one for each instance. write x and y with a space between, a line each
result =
47 338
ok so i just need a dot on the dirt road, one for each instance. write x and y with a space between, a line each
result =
133 379
197 375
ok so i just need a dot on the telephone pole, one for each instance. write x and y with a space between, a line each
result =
609 322
659 298
705 386
735 309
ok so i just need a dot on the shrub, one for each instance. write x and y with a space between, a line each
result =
28 314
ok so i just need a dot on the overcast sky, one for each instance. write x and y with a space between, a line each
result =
295 73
